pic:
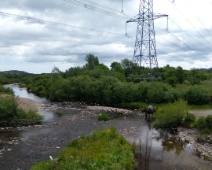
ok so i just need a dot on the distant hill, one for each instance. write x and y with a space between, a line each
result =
16 72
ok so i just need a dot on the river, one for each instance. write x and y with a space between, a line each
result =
159 150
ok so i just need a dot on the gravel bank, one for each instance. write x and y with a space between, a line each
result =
28 104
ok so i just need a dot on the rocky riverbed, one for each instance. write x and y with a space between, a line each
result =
26 146
203 149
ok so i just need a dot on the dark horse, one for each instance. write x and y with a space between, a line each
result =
149 112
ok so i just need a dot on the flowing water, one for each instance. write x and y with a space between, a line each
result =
157 150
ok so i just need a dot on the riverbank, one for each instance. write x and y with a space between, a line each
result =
203 149
29 145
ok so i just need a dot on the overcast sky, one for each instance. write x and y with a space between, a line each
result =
36 47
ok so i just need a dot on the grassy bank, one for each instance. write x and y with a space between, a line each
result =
104 149
11 115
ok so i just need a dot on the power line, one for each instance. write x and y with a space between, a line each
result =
102 6
192 25
95 8
190 35
27 18
190 48
201 23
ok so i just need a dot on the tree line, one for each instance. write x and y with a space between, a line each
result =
123 82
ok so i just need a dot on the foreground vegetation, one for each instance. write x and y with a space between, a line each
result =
11 115
104 149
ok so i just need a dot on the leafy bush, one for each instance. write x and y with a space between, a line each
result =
104 149
196 95
8 109
171 115
10 115
156 92
103 117
190 120
208 120
205 124
161 93
201 123
5 90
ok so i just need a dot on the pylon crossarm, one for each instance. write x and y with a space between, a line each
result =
140 18
156 16
134 19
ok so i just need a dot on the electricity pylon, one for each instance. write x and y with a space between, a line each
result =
145 44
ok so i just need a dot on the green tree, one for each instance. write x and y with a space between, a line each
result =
129 67
56 73
92 61
180 74
115 66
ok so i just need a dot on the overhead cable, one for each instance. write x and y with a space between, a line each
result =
27 18
192 26
98 9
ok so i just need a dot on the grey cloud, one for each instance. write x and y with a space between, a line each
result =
34 42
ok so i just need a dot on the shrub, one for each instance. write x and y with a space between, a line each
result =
208 121
190 120
160 93
8 108
5 90
104 149
10 115
103 117
205 124
201 123
171 115
196 95
156 92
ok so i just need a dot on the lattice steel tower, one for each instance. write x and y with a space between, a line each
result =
145 44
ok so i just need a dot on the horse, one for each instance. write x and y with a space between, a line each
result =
149 112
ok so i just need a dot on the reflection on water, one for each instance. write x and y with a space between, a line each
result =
163 150
171 143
